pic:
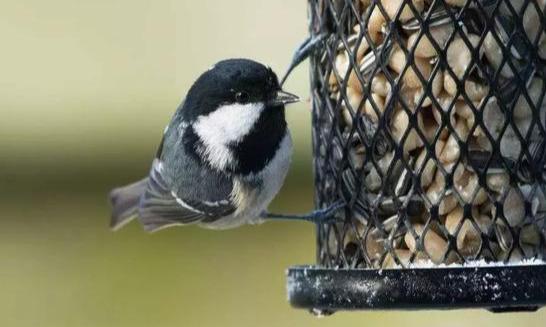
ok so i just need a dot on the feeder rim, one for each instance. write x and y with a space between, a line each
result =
478 264
496 288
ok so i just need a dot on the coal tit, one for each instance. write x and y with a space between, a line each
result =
223 157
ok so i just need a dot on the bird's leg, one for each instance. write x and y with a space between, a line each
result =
303 52
320 216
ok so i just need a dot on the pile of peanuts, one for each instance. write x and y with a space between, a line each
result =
442 99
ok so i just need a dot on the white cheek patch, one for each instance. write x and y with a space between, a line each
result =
226 125
229 123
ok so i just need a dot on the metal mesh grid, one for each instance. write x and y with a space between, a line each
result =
428 121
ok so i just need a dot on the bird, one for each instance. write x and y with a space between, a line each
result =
223 156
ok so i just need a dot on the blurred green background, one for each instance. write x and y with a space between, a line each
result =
86 88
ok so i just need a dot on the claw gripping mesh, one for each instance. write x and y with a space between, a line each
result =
429 122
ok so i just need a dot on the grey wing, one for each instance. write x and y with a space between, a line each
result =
189 200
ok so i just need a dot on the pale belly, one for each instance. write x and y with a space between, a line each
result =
253 193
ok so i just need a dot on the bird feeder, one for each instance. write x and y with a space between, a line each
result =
429 123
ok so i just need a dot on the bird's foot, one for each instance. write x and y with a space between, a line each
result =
303 52
320 216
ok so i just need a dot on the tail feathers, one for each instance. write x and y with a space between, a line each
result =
125 201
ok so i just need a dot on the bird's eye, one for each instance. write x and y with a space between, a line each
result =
242 97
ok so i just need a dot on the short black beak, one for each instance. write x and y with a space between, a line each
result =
283 98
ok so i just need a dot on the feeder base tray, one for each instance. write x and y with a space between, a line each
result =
496 288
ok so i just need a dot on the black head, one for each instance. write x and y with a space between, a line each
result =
232 81
235 111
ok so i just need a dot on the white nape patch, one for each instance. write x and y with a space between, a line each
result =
184 204
226 125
